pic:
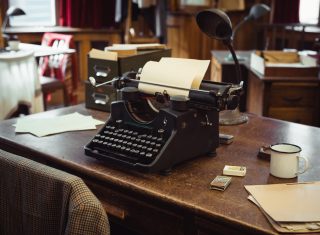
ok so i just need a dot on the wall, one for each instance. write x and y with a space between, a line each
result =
187 41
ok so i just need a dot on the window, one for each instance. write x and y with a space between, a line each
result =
309 11
38 13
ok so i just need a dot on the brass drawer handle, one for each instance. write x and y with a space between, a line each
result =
114 210
292 100
101 71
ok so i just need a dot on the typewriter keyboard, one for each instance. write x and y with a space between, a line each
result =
134 145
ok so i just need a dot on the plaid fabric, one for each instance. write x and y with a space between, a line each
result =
37 199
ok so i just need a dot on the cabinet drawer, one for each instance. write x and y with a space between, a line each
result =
205 227
137 215
299 115
293 95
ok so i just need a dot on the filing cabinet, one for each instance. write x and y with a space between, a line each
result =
294 99
105 70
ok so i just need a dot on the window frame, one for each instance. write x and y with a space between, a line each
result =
5 4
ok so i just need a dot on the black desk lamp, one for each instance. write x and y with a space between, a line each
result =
256 11
12 11
216 24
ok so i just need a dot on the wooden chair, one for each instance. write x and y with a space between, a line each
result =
59 72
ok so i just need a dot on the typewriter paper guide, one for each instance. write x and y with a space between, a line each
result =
183 73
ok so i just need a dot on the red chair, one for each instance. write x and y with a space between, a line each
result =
59 71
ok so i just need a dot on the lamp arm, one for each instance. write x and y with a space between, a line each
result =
4 25
234 32
228 43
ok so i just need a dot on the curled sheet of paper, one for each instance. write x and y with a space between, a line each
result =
174 72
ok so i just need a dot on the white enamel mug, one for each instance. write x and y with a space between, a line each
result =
284 162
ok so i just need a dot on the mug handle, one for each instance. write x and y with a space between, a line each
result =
306 165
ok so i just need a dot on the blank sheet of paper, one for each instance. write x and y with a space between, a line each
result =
47 126
289 202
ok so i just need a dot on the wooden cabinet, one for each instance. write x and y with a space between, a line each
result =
294 99
291 99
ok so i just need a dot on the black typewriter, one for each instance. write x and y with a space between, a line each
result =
140 135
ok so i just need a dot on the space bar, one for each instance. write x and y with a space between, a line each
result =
107 152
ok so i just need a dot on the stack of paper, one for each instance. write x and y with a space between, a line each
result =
122 50
103 55
47 126
143 46
290 208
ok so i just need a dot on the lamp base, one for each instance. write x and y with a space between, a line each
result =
232 117
230 58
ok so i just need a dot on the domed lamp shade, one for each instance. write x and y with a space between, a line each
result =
215 23
12 11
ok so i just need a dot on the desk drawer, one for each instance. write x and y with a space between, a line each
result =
205 227
293 95
136 214
299 115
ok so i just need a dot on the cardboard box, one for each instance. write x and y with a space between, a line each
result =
105 70
284 64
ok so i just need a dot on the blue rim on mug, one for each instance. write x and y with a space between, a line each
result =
298 151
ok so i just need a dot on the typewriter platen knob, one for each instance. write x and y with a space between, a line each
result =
232 102
179 103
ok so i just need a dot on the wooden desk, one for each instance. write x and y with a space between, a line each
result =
182 202
83 38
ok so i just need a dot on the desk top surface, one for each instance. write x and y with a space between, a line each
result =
188 185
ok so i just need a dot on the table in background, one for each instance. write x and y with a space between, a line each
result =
180 203
40 50
295 99
19 83
82 36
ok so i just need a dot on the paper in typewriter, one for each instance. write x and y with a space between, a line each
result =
176 72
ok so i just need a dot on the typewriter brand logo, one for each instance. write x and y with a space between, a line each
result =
165 121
